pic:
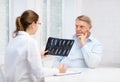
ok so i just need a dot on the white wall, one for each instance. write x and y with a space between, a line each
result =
71 9
105 15
16 8
3 28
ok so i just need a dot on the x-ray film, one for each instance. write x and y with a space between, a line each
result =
58 46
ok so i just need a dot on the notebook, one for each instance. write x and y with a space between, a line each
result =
58 46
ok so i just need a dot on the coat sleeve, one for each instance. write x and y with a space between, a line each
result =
34 59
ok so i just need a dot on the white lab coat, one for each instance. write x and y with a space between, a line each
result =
22 60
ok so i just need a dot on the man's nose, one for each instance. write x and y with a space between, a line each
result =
78 28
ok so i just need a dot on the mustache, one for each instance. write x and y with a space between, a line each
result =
80 33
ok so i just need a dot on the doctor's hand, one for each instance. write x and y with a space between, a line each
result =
62 68
43 54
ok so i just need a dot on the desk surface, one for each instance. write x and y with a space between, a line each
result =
89 75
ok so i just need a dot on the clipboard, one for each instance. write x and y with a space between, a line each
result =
58 46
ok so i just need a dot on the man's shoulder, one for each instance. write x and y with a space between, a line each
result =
92 39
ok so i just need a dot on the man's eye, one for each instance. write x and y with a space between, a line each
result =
76 25
81 26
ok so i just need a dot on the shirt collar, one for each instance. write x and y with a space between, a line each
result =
23 33
90 38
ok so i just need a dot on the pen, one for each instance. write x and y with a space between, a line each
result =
62 74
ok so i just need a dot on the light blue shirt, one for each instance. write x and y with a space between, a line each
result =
88 55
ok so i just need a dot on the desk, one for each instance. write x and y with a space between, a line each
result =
89 75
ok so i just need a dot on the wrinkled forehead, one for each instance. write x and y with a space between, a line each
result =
82 24
85 20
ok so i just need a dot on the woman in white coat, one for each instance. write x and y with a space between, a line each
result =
22 59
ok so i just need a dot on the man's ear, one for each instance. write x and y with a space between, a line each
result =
90 26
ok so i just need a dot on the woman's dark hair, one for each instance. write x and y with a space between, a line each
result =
23 21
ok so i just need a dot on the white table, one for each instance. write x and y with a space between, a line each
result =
89 75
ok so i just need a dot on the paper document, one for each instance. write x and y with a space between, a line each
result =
68 73
55 72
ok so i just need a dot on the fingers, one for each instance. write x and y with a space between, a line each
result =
46 52
83 36
43 53
62 68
